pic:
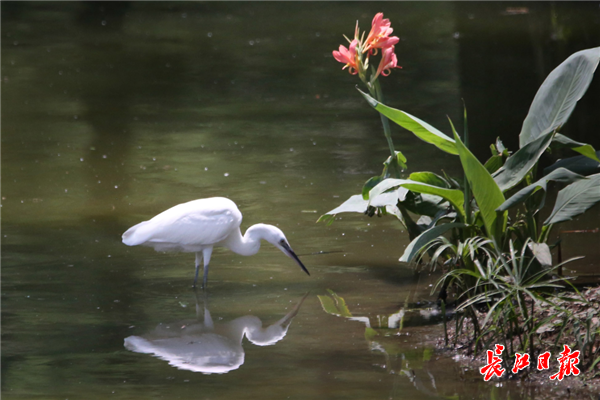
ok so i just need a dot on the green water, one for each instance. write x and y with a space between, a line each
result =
115 112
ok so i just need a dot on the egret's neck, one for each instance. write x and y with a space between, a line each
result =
246 245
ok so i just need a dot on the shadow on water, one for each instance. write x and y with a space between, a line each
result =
201 345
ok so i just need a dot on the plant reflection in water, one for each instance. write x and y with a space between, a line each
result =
383 336
200 345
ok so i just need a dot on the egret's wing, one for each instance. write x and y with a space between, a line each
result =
208 353
187 226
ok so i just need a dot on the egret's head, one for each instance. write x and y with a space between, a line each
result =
275 236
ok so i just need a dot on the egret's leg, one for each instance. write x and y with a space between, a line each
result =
208 322
198 260
206 253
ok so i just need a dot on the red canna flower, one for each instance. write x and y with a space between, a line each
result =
348 56
388 61
379 36
358 55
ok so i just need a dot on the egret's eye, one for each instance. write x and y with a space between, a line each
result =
282 241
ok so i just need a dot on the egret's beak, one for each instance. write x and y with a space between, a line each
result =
290 253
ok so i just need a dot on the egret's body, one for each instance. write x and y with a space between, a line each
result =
199 225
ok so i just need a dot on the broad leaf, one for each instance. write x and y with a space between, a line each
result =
558 175
370 184
424 238
582 148
420 128
575 199
485 190
558 95
520 163
494 163
385 199
426 204
429 178
353 204
357 204
579 164
455 197
541 251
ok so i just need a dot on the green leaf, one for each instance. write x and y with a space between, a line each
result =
334 305
427 204
575 199
429 178
426 237
558 175
582 148
494 163
558 95
454 196
485 190
579 164
520 163
370 184
493 150
393 166
400 158
421 129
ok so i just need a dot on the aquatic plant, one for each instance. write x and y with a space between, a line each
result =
478 205
491 258
504 286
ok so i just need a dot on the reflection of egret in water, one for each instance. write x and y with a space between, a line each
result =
200 345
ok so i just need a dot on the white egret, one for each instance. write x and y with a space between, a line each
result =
199 225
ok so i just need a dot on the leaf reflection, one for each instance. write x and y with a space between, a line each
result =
383 336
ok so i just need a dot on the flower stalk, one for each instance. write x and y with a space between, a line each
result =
384 120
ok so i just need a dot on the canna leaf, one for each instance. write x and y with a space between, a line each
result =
454 196
558 95
575 199
520 163
485 190
582 148
558 175
421 129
